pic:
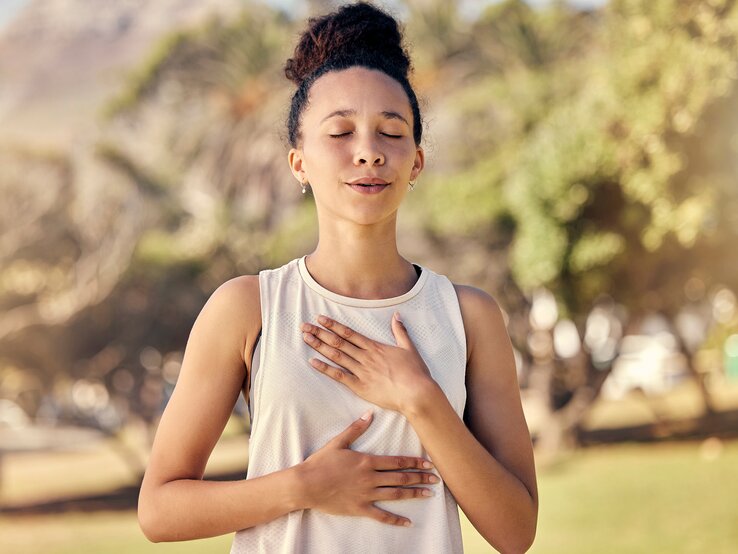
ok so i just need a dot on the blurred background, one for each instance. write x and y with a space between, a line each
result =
582 167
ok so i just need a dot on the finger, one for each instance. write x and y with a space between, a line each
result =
345 332
332 353
399 462
399 493
353 431
335 373
334 339
400 332
386 517
404 478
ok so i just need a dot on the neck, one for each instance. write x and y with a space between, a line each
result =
361 261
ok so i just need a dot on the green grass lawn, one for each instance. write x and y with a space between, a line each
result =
666 498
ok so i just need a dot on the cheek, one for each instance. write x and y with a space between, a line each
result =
406 152
327 147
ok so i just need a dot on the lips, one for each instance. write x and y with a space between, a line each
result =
368 181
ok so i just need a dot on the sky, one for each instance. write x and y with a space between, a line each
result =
8 8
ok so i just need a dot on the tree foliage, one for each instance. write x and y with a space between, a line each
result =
592 153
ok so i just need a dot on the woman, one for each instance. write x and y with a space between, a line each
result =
318 342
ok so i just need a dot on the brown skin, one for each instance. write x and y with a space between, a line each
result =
175 503
486 461
357 247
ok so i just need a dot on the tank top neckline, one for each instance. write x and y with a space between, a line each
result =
361 302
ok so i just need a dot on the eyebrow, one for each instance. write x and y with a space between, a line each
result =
350 112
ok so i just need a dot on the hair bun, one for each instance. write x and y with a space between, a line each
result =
359 29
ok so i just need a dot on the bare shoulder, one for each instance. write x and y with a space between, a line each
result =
210 378
243 287
240 306
480 313
494 411
475 298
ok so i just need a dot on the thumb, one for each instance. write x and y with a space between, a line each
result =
354 431
400 332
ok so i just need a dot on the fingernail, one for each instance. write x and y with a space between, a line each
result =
427 465
366 415
408 524
397 317
427 492
322 319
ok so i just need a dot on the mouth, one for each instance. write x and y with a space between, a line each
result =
368 180
368 188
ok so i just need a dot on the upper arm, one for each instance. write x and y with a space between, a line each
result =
208 385
494 410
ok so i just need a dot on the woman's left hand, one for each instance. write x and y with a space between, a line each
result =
389 376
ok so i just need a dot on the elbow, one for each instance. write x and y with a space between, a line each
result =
521 539
527 540
529 525
518 544
147 521
148 527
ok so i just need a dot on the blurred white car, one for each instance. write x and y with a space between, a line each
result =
12 415
651 363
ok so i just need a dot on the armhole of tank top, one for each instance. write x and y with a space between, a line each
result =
460 318
253 369
249 377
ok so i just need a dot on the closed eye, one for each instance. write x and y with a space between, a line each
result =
348 133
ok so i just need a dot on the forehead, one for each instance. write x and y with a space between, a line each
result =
357 88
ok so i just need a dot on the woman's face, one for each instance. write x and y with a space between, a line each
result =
357 123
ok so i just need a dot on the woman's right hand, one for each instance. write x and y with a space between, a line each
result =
341 481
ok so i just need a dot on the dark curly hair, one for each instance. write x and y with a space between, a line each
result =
357 34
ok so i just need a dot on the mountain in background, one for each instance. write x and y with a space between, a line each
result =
59 59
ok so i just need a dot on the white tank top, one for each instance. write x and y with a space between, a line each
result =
295 410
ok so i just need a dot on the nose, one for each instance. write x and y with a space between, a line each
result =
368 153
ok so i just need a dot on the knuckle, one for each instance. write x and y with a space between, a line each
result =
405 478
348 332
338 375
398 493
337 341
337 355
399 461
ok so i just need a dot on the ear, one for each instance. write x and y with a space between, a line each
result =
296 162
418 164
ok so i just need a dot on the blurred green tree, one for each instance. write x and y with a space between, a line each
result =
609 171
589 153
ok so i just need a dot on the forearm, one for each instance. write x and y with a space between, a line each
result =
187 509
496 502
